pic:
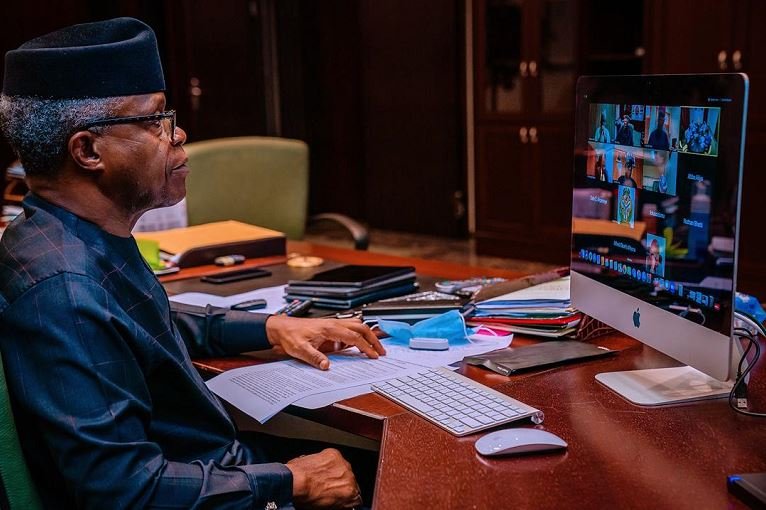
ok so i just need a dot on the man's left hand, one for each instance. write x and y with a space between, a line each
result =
307 339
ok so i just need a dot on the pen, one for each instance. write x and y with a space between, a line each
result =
285 308
300 309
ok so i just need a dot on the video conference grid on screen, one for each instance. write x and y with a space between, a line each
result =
659 164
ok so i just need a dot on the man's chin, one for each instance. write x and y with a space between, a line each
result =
171 198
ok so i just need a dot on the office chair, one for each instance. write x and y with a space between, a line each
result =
259 180
17 492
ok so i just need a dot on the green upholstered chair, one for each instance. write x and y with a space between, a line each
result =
255 179
16 488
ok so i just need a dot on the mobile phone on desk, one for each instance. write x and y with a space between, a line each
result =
235 276
249 305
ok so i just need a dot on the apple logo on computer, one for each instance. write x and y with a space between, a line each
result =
637 318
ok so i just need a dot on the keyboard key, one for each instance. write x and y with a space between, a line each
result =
484 420
470 422
416 404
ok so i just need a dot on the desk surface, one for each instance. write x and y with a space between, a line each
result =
619 455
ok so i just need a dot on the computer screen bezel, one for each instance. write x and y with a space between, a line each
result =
704 349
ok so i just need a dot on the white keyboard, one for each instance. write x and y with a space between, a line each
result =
454 402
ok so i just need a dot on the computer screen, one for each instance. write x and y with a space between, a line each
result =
656 209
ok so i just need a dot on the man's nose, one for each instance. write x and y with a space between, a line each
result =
180 136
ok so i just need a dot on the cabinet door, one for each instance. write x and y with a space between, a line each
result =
690 36
505 183
553 59
502 29
216 70
752 266
553 165
748 56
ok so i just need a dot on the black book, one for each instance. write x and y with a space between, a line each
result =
349 292
354 276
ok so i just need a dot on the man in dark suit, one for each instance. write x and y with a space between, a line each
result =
111 412
624 132
658 138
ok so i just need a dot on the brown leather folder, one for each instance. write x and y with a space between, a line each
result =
201 244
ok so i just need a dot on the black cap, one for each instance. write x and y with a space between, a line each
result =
116 57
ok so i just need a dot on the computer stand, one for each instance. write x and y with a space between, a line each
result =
667 386
664 386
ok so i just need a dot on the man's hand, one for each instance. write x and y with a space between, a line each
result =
324 480
307 339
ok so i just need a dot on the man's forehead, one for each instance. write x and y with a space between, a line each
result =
142 104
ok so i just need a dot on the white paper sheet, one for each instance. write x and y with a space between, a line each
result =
261 391
426 359
274 297
553 291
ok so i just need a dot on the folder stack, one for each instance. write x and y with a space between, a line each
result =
353 285
416 307
540 310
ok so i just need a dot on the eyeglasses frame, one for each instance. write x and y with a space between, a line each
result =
111 121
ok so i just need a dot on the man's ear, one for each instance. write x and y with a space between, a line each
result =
85 149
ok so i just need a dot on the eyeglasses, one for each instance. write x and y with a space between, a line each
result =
167 118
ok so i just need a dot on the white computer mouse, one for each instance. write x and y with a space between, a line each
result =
518 440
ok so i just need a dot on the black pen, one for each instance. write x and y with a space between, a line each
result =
287 307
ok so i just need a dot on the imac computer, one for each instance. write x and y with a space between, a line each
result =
655 223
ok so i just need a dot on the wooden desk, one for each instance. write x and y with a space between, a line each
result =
619 456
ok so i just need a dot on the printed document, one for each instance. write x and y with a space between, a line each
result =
274 297
263 390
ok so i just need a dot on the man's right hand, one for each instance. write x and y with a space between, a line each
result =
324 480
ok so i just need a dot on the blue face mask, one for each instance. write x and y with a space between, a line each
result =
449 325
750 305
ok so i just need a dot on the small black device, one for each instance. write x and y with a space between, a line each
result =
235 276
251 304
749 487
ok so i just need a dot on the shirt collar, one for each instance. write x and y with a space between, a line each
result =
83 229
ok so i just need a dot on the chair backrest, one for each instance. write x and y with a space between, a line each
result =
254 179
17 491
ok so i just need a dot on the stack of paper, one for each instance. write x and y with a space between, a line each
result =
542 310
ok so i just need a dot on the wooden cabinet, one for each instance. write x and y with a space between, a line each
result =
523 210
723 37
528 55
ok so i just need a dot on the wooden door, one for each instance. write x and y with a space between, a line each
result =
216 71
748 55
553 59
505 184
691 36
552 157
504 39
412 75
